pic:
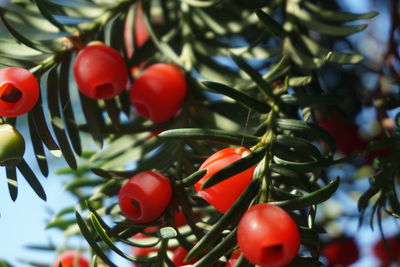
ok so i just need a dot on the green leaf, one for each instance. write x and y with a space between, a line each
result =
302 59
67 105
254 75
117 146
39 120
307 100
60 223
30 177
93 118
43 8
235 167
193 178
291 177
337 16
271 24
219 250
91 239
38 147
113 112
300 81
164 47
103 235
46 46
363 201
81 182
310 199
304 128
12 182
312 23
337 57
56 120
278 70
210 135
298 145
238 96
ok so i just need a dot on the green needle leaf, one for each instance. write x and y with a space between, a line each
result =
310 199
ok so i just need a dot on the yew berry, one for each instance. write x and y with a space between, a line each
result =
145 196
179 255
346 135
71 258
159 91
100 72
342 251
268 236
12 146
19 91
385 257
224 194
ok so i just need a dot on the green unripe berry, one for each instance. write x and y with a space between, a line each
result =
12 146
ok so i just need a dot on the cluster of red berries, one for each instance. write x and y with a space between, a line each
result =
267 235
344 251
157 94
100 73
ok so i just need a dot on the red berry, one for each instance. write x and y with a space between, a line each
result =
159 91
179 255
145 196
383 255
19 91
268 236
100 72
224 194
343 251
71 258
346 135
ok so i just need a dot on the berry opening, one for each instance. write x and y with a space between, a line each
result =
104 91
142 109
272 253
10 93
136 210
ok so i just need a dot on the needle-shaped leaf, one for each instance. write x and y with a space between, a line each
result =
67 105
254 75
238 96
91 239
314 198
31 178
39 120
38 148
12 182
304 128
104 237
271 24
337 16
333 29
93 118
210 135
56 119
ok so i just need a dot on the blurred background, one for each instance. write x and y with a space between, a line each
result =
22 223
